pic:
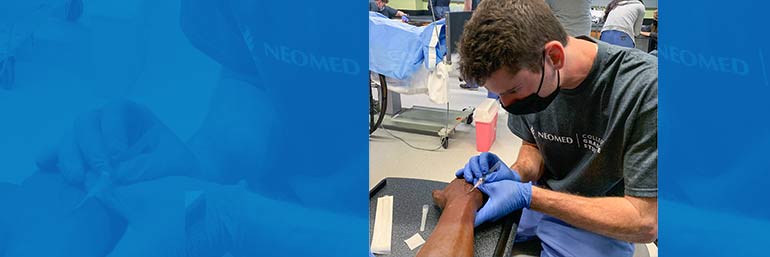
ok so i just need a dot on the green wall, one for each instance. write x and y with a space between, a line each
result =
418 4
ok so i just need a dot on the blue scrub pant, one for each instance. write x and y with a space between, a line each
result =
440 12
561 239
616 37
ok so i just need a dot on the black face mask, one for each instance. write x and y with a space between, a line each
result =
533 103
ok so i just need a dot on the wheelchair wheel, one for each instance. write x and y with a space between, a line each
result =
378 99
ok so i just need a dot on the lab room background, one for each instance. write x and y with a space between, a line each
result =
709 91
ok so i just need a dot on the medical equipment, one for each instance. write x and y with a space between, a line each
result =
102 184
415 241
404 59
484 177
424 217
494 239
383 225
486 124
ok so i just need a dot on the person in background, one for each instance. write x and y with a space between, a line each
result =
381 6
622 22
470 5
439 8
574 15
653 34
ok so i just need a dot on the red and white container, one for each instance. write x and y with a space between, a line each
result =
485 117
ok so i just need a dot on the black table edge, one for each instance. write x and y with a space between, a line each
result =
509 227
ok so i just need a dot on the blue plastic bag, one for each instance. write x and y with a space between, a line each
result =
397 49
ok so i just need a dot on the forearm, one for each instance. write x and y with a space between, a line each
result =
529 164
615 217
391 10
453 235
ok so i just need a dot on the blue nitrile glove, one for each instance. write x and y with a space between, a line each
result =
123 140
480 164
505 196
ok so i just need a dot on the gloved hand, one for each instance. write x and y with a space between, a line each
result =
480 165
505 196
122 143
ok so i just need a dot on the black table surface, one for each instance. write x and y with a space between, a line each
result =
409 195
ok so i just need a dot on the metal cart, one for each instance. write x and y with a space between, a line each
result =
386 109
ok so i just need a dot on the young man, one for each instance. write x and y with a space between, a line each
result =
587 114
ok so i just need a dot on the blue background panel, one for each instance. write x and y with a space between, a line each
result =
182 128
713 129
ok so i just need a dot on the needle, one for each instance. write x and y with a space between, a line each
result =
484 177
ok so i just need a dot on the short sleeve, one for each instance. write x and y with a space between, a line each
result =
521 128
390 12
640 159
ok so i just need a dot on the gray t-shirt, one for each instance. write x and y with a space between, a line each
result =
627 17
600 139
574 15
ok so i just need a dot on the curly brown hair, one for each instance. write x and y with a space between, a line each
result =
507 33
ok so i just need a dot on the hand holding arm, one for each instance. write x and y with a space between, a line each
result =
528 166
481 164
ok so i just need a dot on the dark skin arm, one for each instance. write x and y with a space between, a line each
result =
453 235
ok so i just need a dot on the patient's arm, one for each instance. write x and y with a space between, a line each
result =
453 235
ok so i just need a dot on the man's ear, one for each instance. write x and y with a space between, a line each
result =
556 53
